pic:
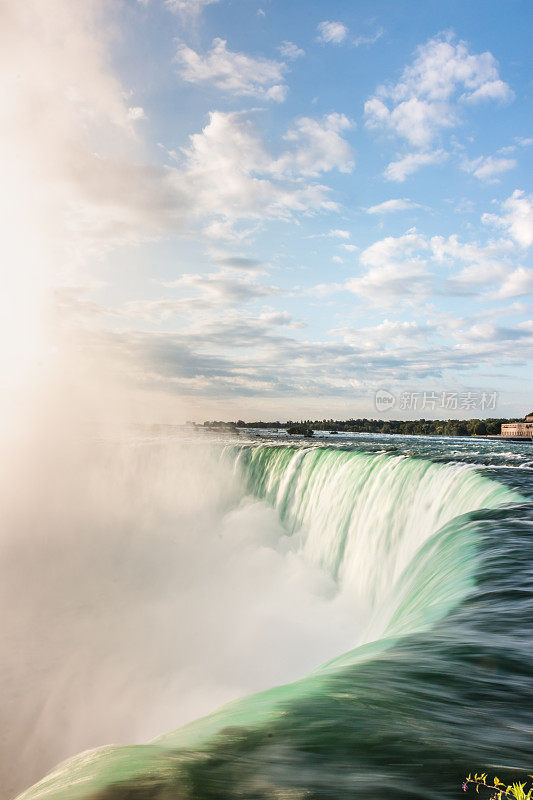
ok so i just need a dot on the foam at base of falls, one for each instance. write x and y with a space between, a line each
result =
363 517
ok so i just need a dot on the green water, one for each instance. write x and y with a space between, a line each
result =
425 551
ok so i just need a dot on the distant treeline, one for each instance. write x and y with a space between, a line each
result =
434 427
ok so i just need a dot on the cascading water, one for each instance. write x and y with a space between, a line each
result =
362 517
420 551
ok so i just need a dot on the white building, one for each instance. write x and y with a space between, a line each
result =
519 430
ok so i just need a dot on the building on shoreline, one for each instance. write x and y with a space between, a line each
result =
518 430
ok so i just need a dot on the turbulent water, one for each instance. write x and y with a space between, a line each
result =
422 551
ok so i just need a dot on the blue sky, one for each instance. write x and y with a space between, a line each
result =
282 207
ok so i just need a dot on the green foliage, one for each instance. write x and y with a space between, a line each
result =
417 427
498 789
302 429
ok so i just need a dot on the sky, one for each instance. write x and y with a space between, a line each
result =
269 209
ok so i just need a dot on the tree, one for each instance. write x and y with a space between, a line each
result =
300 429
480 429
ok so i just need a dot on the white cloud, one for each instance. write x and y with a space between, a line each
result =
235 283
368 39
391 249
85 149
399 170
224 287
427 96
483 264
516 217
84 157
230 176
291 51
408 265
317 146
387 334
136 112
337 233
188 8
236 73
396 268
490 90
225 351
487 168
332 32
393 205
322 290
517 284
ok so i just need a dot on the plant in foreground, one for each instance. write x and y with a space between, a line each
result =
498 789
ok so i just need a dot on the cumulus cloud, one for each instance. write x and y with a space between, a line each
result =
332 32
393 205
236 73
231 175
426 99
87 152
482 265
223 178
516 217
399 170
396 267
412 265
517 284
317 145
488 168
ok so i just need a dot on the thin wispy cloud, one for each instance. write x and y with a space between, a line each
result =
188 8
291 51
489 168
393 205
233 72
407 165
